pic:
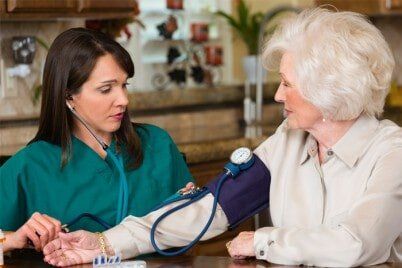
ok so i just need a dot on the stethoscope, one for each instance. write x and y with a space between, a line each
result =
241 159
117 160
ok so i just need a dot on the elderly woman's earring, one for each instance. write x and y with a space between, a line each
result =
323 120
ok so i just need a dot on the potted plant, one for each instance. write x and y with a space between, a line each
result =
248 26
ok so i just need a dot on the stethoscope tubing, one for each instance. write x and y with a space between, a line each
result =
122 207
193 198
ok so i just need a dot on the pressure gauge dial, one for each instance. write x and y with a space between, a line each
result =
241 156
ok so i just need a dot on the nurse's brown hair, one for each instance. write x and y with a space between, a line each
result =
69 63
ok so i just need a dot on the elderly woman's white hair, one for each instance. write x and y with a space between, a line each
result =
342 63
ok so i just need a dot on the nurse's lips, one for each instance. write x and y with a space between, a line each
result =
118 116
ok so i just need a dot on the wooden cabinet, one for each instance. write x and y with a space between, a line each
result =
368 7
32 6
105 5
3 7
15 10
394 5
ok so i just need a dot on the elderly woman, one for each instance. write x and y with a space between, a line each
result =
336 175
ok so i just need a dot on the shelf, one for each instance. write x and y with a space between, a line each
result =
154 59
156 38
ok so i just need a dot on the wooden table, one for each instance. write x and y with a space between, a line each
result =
179 262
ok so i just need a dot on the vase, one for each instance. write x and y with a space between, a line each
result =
250 64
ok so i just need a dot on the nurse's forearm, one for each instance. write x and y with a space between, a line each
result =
10 243
132 236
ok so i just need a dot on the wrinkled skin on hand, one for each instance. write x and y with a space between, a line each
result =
72 248
242 246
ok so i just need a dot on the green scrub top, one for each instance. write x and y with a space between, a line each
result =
32 180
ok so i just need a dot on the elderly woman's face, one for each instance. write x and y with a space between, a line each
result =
103 97
301 114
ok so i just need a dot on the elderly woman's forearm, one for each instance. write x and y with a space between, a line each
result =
132 236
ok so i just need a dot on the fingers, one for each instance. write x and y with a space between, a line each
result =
56 224
52 227
53 253
35 230
189 185
242 246
52 246
28 232
63 258
40 229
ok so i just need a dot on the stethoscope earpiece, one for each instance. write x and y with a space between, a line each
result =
69 106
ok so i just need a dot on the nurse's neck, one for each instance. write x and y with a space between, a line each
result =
83 134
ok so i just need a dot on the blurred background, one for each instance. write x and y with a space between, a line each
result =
196 66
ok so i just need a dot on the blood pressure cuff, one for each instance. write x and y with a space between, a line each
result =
245 195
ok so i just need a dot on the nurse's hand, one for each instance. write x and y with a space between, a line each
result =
189 186
72 248
242 246
40 229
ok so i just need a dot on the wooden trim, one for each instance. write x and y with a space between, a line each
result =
3 8
98 5
368 7
33 6
64 16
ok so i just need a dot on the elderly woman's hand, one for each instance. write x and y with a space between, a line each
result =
242 246
39 229
72 248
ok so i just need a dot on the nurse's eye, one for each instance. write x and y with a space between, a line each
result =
105 90
125 85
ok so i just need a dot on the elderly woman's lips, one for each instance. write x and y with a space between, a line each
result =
286 112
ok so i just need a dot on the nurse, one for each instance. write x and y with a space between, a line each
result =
64 172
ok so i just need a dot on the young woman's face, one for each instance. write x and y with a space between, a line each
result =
300 113
103 97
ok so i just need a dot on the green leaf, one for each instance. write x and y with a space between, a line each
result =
248 25
42 43
230 20
37 92
243 13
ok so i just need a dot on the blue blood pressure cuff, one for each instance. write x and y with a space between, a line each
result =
245 195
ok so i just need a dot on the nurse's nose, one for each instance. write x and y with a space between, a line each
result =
122 97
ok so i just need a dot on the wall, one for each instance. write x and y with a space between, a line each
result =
21 105
391 29
389 26
19 99
239 49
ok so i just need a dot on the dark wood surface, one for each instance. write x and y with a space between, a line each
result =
42 10
179 262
